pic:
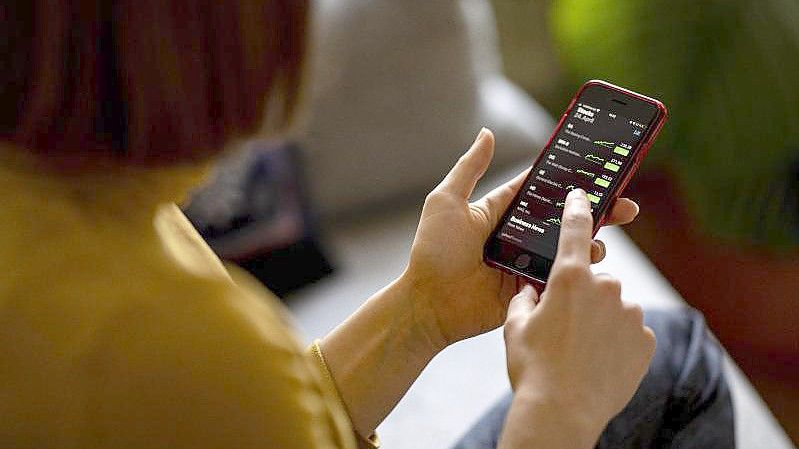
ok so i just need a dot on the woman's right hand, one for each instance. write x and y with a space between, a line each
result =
581 349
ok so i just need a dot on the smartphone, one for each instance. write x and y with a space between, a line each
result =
597 146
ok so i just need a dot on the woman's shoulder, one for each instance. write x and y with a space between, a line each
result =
224 284
224 360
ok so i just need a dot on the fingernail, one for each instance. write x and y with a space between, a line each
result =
578 192
527 290
481 134
602 248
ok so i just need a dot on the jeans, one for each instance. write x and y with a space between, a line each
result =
683 401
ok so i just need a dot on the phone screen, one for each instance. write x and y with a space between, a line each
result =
595 147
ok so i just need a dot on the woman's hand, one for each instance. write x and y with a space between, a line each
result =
456 295
580 353
446 294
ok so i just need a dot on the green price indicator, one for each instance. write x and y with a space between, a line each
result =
593 198
611 166
602 182
622 151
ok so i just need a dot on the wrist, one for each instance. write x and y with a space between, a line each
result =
563 407
561 418
426 323
377 353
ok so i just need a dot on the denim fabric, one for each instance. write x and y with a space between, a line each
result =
683 401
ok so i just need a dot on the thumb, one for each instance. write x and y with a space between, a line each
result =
523 303
463 177
495 202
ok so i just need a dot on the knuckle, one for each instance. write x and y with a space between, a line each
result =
483 210
514 317
466 163
635 312
570 271
572 218
610 286
437 198
650 340
432 196
514 327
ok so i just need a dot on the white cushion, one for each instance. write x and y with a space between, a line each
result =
397 92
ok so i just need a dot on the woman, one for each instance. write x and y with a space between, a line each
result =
120 328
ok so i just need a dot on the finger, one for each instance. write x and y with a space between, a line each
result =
470 167
523 303
576 228
624 211
652 338
494 203
598 251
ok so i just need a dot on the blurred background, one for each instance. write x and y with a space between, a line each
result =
398 89
720 190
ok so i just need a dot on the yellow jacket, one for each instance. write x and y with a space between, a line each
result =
119 328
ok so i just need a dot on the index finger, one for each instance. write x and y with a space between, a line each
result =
576 228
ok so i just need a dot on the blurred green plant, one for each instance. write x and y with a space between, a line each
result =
728 70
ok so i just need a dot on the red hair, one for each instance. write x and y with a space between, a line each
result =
145 82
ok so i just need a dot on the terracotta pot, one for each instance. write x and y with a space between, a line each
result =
749 296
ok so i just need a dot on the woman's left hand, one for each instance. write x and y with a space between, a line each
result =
455 294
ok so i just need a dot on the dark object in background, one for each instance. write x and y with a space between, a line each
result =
255 213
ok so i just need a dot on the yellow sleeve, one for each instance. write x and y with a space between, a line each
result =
215 372
315 353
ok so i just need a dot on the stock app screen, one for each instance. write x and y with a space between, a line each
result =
591 151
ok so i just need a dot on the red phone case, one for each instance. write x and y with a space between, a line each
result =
644 149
